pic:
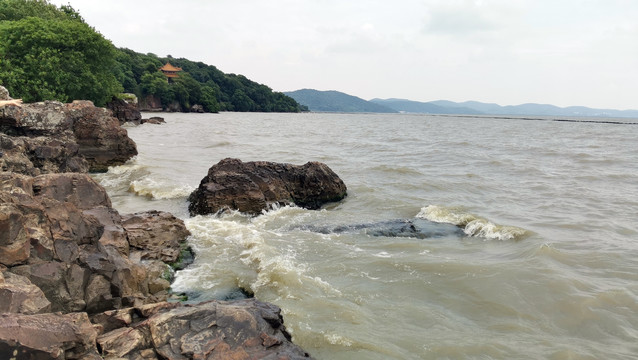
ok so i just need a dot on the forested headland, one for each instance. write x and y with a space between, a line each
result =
51 53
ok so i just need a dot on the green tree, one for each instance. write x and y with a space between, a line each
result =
54 57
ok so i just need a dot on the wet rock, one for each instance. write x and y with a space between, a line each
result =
47 336
414 228
246 329
197 109
252 187
49 137
125 111
156 120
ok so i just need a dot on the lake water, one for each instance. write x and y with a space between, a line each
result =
545 267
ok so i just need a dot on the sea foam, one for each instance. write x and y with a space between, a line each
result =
471 224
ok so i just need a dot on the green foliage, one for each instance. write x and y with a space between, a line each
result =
48 53
197 84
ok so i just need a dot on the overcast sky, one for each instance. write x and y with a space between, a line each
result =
561 52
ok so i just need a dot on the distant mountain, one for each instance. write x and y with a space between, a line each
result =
334 101
410 106
495 109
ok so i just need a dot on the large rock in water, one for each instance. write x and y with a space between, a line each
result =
252 187
50 137
124 111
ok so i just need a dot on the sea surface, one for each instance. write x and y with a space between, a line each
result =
521 241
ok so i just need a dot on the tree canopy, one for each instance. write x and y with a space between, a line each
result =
50 53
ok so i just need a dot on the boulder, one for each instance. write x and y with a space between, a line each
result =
49 137
47 336
124 111
253 187
245 329
156 120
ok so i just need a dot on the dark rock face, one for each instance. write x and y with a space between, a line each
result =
52 137
124 111
59 233
252 187
216 330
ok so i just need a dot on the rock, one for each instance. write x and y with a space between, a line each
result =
157 234
52 137
197 109
47 336
19 295
60 232
252 187
154 120
4 93
124 111
246 329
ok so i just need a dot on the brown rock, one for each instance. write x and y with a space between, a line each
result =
252 187
19 295
157 234
54 137
246 329
124 111
156 120
47 336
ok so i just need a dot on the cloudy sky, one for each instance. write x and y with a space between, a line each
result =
561 52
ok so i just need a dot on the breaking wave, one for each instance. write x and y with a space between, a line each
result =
471 224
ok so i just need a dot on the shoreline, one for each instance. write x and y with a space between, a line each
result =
87 274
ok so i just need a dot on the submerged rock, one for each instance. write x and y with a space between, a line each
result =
414 228
252 187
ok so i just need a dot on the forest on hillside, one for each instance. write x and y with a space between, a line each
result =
51 53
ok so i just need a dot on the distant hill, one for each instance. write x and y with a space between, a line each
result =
409 106
478 108
334 101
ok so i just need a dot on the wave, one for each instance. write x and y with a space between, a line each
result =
159 189
471 224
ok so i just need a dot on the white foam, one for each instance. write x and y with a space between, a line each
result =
159 189
471 224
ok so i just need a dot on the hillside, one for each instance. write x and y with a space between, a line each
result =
50 53
409 106
334 101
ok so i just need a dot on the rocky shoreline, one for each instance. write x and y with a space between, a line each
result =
78 280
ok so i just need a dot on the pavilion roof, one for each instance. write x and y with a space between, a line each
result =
169 67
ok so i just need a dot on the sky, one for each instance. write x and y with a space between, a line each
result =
509 52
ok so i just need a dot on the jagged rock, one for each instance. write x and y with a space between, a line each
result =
245 329
124 111
47 336
49 137
252 187
197 109
19 295
60 232
157 234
